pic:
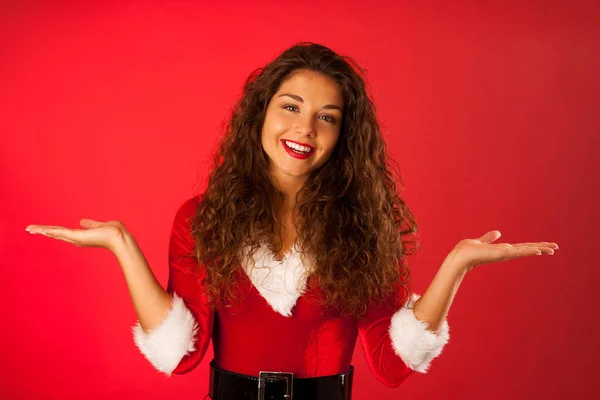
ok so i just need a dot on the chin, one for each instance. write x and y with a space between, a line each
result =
295 172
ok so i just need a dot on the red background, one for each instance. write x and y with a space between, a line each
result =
110 112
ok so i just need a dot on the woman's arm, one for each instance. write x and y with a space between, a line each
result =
177 341
175 325
432 308
150 300
401 339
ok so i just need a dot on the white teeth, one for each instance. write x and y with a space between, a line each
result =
295 146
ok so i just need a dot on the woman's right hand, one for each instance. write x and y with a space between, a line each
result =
95 233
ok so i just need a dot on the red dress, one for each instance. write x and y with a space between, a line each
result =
251 336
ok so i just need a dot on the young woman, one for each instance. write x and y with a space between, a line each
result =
296 248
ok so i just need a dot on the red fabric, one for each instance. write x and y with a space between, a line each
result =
249 336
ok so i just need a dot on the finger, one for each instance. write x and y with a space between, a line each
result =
38 229
524 251
552 245
517 252
545 248
54 232
78 237
490 236
62 238
66 234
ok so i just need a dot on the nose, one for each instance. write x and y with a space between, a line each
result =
305 125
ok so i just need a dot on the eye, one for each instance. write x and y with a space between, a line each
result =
293 107
329 118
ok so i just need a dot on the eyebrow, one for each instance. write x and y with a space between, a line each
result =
301 100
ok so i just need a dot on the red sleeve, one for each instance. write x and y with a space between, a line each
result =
373 331
185 279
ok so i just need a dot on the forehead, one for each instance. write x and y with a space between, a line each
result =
313 87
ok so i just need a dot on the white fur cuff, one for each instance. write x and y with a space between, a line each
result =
413 341
166 344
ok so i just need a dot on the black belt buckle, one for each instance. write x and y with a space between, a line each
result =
288 377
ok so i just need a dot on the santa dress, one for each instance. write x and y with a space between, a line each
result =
275 326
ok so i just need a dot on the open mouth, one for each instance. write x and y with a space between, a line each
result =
298 149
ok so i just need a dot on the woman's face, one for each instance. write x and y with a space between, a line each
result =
302 125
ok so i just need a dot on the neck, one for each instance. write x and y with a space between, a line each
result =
289 186
284 207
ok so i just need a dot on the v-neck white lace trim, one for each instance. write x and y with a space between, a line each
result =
279 282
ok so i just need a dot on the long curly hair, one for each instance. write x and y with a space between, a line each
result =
350 221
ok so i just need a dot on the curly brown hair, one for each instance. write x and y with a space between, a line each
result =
350 220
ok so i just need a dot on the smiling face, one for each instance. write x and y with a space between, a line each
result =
302 125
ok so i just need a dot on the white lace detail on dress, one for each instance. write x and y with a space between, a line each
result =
280 283
166 344
412 340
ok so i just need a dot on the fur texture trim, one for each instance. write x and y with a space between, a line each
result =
413 341
166 344
280 283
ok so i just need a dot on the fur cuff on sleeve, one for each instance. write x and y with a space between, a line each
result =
413 341
166 344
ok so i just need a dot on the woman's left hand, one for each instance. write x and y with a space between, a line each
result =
469 253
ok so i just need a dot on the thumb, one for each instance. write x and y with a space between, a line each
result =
491 236
89 223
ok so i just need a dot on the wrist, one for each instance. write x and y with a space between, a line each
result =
121 242
455 265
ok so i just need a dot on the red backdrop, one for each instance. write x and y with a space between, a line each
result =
111 112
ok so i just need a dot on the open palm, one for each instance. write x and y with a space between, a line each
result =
94 234
474 252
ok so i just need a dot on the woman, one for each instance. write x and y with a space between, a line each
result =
296 248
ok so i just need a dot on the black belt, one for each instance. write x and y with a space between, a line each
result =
225 385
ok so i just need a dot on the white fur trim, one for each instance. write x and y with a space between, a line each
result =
413 341
166 344
280 283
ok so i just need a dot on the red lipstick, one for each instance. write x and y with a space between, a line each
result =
296 154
